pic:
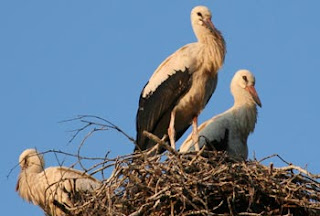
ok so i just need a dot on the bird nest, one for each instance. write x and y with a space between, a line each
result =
204 183
195 183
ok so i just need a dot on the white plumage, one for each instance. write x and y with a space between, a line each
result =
229 131
52 188
182 85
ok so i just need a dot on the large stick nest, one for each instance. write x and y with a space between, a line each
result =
205 183
196 183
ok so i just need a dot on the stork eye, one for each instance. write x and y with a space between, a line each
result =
245 78
199 14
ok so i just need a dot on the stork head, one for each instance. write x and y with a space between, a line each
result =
242 88
201 20
30 159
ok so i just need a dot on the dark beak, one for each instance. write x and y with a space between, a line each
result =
209 24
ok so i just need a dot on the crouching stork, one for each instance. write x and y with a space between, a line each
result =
52 189
229 131
182 85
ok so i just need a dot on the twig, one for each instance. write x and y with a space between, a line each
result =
160 142
293 167
85 119
274 155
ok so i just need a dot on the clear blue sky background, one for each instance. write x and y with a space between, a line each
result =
60 58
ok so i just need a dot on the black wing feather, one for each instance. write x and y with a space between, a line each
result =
214 145
154 110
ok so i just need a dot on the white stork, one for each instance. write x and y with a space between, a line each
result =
182 85
229 131
52 188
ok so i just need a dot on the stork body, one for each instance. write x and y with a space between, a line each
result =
52 188
229 131
182 85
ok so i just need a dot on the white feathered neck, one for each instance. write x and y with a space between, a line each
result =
245 116
244 109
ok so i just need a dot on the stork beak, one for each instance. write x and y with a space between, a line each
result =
209 24
254 95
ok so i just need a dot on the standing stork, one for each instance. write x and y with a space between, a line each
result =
182 85
229 131
52 188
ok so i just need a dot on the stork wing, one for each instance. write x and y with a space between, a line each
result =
183 58
213 134
216 144
67 180
64 185
80 180
155 108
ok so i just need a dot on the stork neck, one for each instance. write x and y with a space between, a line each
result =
246 116
215 47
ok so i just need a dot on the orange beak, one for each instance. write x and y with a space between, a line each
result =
254 95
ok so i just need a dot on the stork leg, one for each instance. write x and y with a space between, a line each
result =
171 131
195 134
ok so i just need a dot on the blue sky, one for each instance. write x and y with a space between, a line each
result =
60 58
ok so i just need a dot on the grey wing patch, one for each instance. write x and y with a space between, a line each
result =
215 145
154 109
